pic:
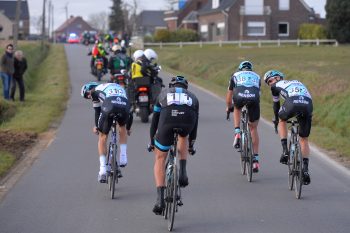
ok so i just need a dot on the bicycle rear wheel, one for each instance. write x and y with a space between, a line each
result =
243 154
249 158
291 167
114 170
172 200
298 172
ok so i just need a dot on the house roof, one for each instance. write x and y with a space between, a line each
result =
9 9
152 18
224 4
73 20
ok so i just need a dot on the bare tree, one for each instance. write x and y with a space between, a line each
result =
130 16
36 23
99 21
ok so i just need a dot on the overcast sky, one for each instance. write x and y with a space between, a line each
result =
85 8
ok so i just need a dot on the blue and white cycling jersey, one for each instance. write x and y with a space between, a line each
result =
111 89
289 89
246 79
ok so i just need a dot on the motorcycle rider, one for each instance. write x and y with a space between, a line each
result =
118 61
98 51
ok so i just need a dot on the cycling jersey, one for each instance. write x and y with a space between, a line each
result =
244 79
175 108
287 89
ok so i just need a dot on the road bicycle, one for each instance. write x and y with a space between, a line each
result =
113 171
172 191
295 160
246 145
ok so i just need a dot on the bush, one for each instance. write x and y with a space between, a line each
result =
181 35
7 110
312 31
147 39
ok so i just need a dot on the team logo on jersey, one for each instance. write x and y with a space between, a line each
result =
175 113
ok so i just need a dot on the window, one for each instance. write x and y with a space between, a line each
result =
204 31
283 5
256 29
20 24
254 7
283 29
215 4
220 29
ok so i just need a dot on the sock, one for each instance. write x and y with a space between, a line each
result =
183 166
102 164
284 143
123 149
306 163
237 130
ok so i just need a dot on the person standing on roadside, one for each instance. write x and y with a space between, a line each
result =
7 70
20 65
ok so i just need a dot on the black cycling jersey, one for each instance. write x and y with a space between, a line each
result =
175 107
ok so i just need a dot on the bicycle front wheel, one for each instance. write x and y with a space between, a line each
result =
172 201
298 178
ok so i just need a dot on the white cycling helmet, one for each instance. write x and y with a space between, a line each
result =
150 55
137 54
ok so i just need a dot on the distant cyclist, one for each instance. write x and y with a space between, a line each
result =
298 102
176 107
108 99
244 89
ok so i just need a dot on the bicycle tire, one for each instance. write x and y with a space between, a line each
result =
249 163
173 203
167 194
243 157
299 172
114 175
108 164
291 167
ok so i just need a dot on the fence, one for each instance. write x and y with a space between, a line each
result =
244 43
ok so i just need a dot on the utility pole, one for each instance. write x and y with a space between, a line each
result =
66 8
49 19
43 26
16 25
52 21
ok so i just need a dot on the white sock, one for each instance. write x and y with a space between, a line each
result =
123 149
102 164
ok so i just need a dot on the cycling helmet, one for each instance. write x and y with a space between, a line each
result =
247 65
150 55
272 73
87 87
116 48
137 54
178 80
100 46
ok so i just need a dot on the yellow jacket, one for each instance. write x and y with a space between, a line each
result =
136 70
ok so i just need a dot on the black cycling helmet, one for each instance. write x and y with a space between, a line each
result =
178 80
245 65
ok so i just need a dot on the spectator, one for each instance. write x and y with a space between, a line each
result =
6 70
20 64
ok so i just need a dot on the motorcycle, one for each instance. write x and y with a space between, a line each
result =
120 78
97 69
147 91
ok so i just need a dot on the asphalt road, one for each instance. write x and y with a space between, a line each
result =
60 193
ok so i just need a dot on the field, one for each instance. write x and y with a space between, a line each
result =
324 70
47 89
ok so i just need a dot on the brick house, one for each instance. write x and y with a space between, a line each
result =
75 25
6 28
8 9
251 19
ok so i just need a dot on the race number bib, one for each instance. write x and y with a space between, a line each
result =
179 99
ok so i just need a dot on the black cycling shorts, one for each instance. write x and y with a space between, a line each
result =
113 106
171 117
249 96
302 108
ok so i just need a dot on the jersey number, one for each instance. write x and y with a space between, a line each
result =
179 99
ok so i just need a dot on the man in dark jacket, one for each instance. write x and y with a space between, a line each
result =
7 70
20 65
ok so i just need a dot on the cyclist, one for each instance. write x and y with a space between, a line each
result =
176 107
244 89
298 102
108 99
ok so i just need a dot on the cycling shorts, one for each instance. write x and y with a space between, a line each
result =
113 106
302 108
174 116
249 96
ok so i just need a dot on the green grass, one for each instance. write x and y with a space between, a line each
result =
6 161
47 91
324 70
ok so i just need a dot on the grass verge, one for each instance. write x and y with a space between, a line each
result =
323 69
47 90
